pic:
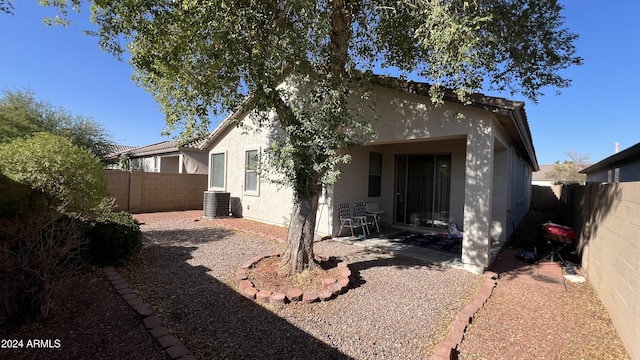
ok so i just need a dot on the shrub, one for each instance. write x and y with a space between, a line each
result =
114 238
67 175
38 251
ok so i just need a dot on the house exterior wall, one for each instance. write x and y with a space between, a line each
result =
402 117
407 124
194 162
353 184
625 172
185 162
270 204
520 190
146 164
170 164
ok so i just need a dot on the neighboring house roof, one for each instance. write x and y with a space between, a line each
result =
110 151
164 147
543 173
513 119
630 154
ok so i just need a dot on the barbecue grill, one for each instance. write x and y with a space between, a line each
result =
557 237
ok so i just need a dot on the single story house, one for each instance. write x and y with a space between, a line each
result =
109 154
427 167
543 176
623 166
169 157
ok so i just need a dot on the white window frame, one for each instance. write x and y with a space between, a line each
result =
256 191
224 175
156 163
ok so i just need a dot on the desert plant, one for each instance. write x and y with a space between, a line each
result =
114 238
51 185
37 252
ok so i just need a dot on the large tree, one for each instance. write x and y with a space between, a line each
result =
206 57
22 114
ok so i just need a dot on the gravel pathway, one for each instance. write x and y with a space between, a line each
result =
399 308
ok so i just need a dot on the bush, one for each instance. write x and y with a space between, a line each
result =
114 238
67 175
38 251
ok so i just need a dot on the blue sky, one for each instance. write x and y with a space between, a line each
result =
66 68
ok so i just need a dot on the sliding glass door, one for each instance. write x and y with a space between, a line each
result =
422 190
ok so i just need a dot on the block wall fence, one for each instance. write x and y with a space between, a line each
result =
607 217
139 192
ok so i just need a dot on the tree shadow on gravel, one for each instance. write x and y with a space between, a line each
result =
188 237
396 261
211 318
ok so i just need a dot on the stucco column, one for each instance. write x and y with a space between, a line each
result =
476 244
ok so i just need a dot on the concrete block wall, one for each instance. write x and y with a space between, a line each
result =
608 220
138 191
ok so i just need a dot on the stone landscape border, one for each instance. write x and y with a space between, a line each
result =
448 348
151 321
331 287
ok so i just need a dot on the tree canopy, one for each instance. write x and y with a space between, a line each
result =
22 115
568 171
200 58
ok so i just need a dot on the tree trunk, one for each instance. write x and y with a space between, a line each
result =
299 252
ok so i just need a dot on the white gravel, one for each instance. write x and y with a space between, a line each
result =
399 308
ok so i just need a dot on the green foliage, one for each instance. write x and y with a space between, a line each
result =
22 115
6 7
68 176
300 65
115 237
568 171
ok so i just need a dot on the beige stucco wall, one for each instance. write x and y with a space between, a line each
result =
353 184
405 124
402 116
170 164
271 204
194 162
608 217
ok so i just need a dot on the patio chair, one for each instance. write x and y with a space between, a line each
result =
360 212
347 219
373 211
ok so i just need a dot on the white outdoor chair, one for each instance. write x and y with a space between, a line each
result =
348 220
373 211
360 213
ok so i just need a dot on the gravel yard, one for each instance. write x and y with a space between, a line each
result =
399 308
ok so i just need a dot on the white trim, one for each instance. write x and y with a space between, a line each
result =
255 192
224 177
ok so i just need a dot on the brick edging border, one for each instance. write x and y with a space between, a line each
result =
152 322
331 287
448 348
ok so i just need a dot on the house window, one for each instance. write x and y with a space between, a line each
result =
251 172
156 164
375 174
217 171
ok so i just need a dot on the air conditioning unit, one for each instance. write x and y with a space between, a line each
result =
216 204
